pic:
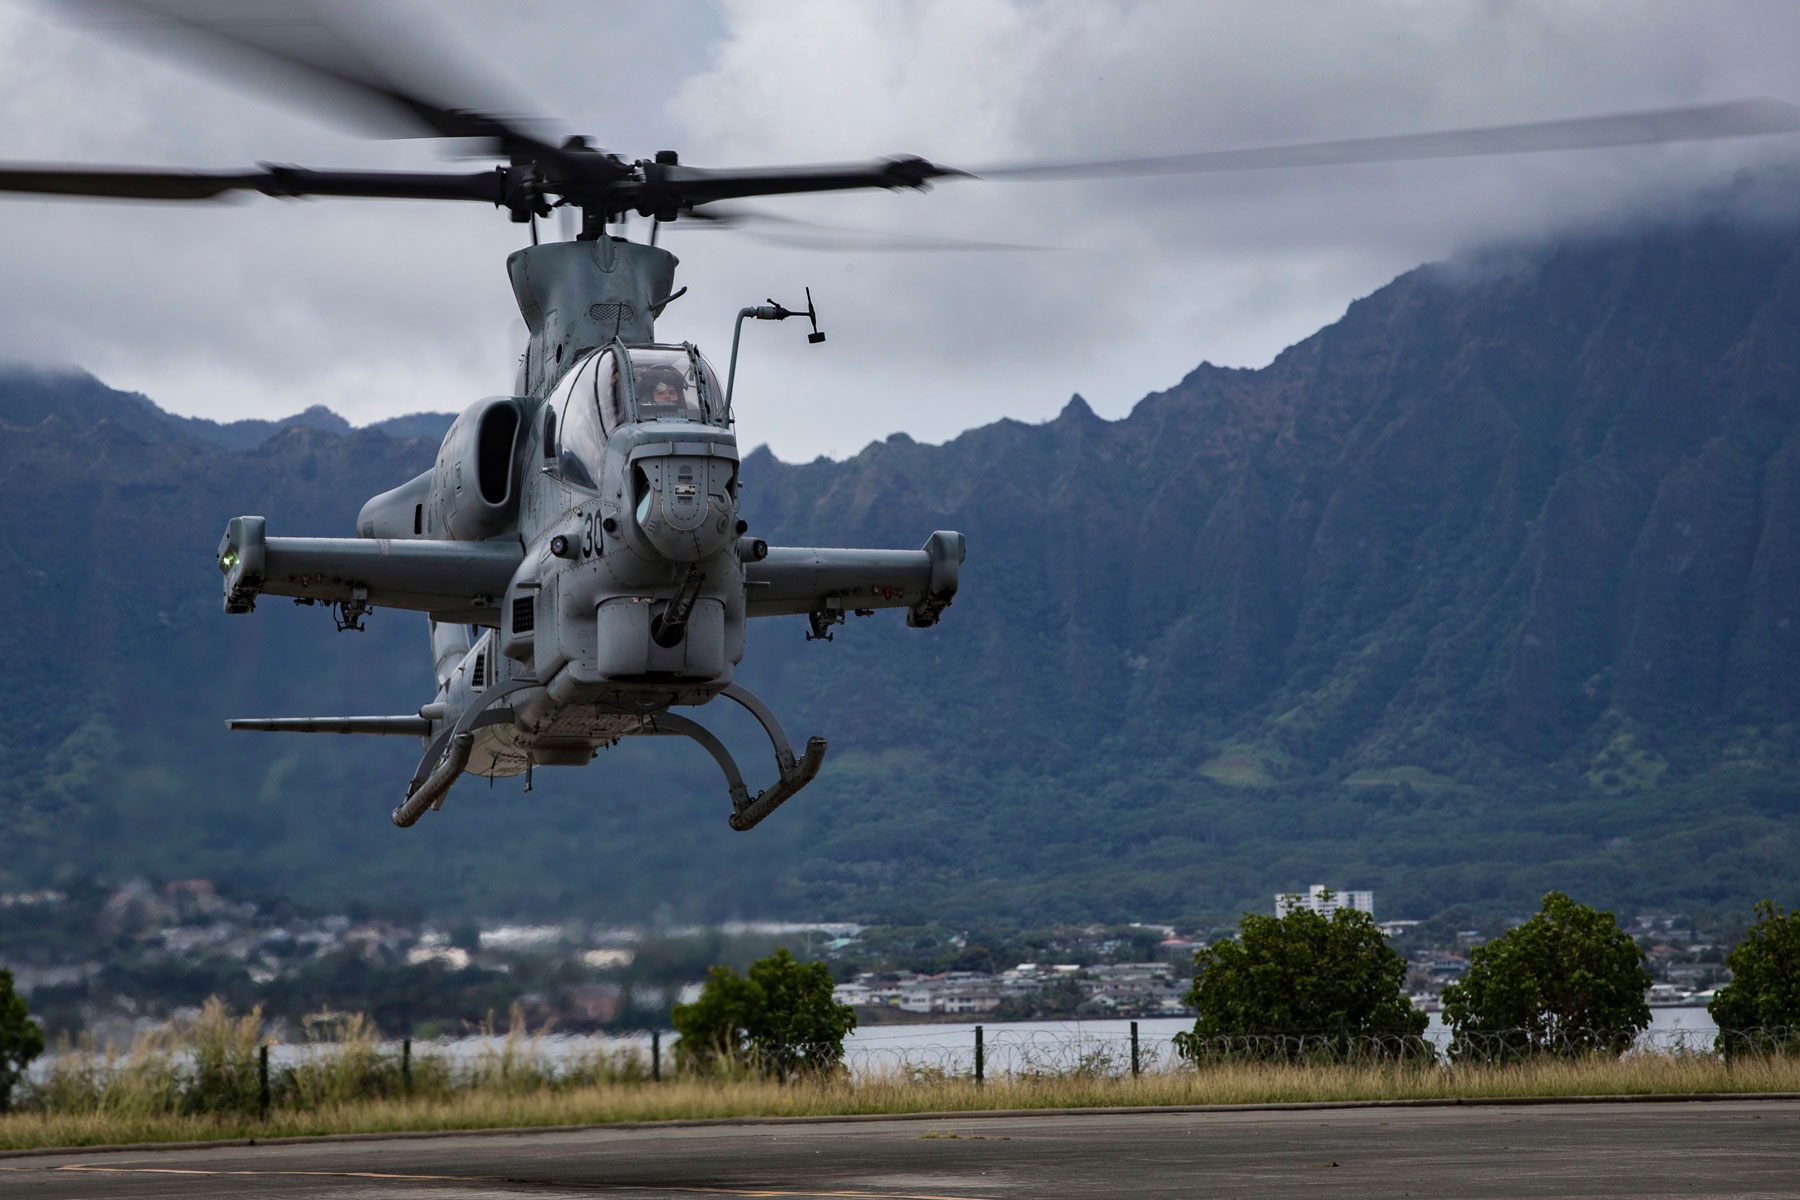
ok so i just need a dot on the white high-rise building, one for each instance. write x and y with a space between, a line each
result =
1324 901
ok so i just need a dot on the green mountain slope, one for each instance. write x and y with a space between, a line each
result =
1491 586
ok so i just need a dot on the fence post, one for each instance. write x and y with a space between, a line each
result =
406 1065
1343 1040
262 1075
980 1064
656 1056
1134 1050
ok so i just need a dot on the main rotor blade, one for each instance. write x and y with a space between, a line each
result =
1703 122
301 46
591 178
816 235
126 183
667 188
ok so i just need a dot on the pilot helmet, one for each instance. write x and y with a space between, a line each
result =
661 375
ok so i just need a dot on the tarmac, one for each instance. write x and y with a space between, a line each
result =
1689 1149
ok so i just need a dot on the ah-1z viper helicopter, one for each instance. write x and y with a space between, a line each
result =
576 545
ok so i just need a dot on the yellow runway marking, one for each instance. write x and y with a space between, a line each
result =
809 1194
331 1174
714 1191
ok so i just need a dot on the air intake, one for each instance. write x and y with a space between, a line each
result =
524 614
612 315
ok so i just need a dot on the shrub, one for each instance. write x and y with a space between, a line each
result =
1568 981
777 1019
343 1061
225 1066
1764 992
21 1040
1301 985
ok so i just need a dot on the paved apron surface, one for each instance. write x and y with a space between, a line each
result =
1716 1149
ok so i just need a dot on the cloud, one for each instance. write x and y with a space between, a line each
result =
379 308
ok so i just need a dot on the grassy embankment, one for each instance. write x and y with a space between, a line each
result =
201 1084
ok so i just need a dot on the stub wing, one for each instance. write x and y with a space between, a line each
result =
464 581
453 581
810 580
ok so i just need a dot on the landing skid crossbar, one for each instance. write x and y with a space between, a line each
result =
767 802
794 774
784 753
669 724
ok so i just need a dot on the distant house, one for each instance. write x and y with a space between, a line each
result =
968 996
608 956
852 994
882 987
1135 987
959 992
1447 966
597 1002
450 956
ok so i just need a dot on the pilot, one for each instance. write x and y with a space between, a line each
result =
661 392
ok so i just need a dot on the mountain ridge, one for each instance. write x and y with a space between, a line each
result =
30 393
1486 588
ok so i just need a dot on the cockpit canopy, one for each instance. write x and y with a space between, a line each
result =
622 385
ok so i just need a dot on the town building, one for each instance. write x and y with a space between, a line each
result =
1137 987
1324 901
959 992
857 995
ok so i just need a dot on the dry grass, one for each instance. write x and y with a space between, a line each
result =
508 1099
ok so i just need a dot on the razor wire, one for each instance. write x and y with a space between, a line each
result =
1060 1053
1502 1045
1013 1053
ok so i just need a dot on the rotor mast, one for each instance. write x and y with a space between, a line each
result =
581 295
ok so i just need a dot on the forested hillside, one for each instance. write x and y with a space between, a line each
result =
1492 586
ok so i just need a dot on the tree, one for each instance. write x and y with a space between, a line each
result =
466 935
1764 992
780 1018
21 1040
1301 983
1567 981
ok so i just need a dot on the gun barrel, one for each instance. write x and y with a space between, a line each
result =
402 726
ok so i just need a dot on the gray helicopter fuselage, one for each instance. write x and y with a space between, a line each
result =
652 506
578 548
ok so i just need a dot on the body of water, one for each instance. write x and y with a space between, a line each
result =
1015 1046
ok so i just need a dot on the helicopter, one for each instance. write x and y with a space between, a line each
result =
576 545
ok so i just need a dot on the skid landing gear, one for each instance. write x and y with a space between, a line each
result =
794 773
438 769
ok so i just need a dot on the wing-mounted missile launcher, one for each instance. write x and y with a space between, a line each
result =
578 550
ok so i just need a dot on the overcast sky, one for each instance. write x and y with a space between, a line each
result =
377 308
